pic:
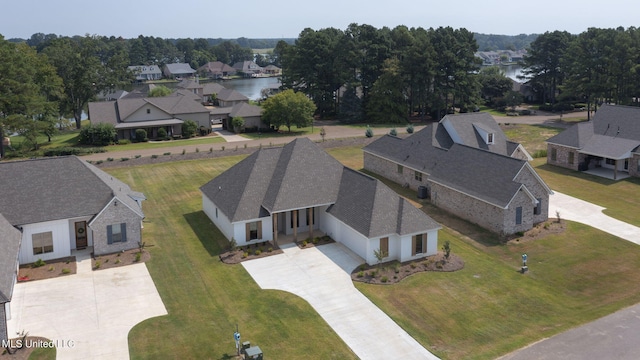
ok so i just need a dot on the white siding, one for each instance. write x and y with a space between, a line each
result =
352 239
61 240
221 221
406 243
154 114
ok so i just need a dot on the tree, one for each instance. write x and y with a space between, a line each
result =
100 134
189 128
447 249
83 73
513 99
351 110
29 91
380 255
288 108
159 91
238 124
387 102
493 83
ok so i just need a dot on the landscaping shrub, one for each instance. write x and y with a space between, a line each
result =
258 252
101 134
162 133
110 159
138 156
141 135
39 263
410 129
238 124
124 159
540 153
124 142
393 132
368 132
138 255
66 271
154 156
64 151
189 128
167 153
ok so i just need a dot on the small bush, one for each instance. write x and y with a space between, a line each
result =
258 252
138 156
98 264
141 135
384 279
368 132
124 159
540 154
210 149
39 263
270 249
162 133
245 254
222 147
197 150
110 159
124 142
138 255
184 151
304 243
316 240
154 156
51 268
66 271
99 162
413 265
118 261
245 145
167 153
393 132
360 274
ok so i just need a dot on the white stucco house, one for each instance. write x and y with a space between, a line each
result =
299 188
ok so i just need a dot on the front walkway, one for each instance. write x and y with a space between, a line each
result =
321 276
88 314
577 210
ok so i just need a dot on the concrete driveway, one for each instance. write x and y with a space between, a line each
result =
89 314
321 276
577 210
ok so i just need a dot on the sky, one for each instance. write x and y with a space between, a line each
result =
287 18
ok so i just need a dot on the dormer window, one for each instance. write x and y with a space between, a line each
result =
148 111
490 138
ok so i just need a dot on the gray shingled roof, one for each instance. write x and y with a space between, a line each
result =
465 126
374 210
245 110
58 188
613 132
10 239
231 95
179 69
301 175
118 111
482 174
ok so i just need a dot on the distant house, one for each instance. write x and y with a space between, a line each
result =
465 165
608 145
64 203
248 68
216 70
285 193
272 70
150 114
10 239
230 97
251 114
178 70
146 72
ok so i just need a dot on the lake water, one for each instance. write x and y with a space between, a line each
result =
250 87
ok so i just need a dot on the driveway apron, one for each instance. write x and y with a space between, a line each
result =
321 276
88 315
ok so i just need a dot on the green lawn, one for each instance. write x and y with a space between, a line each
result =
284 131
532 137
207 140
620 198
205 298
483 311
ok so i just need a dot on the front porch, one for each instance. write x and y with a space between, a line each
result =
607 173
284 239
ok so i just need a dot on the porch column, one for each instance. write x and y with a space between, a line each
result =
310 217
294 215
275 228
615 169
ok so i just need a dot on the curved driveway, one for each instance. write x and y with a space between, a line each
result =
321 276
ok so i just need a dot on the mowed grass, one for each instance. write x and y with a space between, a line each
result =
532 137
483 311
620 198
205 298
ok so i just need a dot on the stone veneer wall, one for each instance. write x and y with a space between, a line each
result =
115 215
527 178
634 165
3 324
562 156
389 170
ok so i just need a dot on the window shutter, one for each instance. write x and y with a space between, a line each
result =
539 207
260 229
413 245
247 232
424 243
123 228
109 235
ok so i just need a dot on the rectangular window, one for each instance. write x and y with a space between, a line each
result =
571 155
384 246
254 230
400 169
116 233
610 162
490 138
519 215
418 248
554 154
148 111
418 176
42 242
538 209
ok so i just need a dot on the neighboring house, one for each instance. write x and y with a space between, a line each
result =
272 70
150 114
146 72
293 190
210 91
64 203
251 114
10 239
608 145
229 97
178 70
248 68
465 165
216 70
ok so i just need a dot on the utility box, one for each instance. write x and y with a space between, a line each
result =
423 192
253 353
246 345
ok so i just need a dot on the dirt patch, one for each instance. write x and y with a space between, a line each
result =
393 272
118 259
47 269
18 352
539 231
250 252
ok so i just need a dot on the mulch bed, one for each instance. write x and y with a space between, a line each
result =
316 241
50 269
118 259
25 352
250 252
539 231
393 272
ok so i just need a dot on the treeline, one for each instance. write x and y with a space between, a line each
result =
598 65
383 75
490 42
149 50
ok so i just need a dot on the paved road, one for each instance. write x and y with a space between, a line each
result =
320 275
